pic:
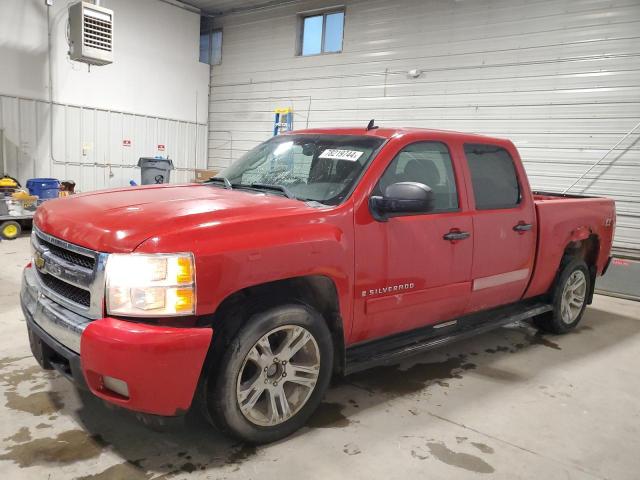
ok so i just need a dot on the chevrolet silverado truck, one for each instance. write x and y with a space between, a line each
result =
320 252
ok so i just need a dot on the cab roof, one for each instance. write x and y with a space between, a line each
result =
383 132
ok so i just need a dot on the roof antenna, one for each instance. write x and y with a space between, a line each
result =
372 125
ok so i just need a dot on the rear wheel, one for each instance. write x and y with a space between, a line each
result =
10 230
273 374
569 298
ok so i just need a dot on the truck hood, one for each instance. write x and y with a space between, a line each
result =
119 220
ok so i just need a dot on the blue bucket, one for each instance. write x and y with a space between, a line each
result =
44 188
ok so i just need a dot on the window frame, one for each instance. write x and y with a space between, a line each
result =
454 169
324 13
516 173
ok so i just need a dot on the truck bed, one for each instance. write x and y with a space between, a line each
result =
562 219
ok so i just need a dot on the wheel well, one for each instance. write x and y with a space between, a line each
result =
587 250
316 291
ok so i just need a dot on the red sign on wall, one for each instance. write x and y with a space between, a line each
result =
160 148
126 142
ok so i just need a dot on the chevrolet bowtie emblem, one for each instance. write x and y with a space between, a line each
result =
38 260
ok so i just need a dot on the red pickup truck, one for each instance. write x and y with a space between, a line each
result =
319 252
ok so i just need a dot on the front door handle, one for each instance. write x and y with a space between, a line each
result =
454 235
522 227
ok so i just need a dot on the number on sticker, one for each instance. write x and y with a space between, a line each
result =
335 154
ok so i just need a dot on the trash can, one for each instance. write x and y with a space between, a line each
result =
154 170
44 188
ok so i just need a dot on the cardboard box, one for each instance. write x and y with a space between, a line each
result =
203 175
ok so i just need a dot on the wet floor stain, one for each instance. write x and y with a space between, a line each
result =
328 415
68 447
351 449
242 453
40 403
9 360
539 339
419 455
188 467
121 471
528 340
462 460
499 348
13 378
483 447
392 379
22 435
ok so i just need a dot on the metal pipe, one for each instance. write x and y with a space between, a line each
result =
230 144
50 65
99 109
601 158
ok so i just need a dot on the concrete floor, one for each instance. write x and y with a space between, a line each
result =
509 404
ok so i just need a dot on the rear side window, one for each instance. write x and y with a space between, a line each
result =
493 176
428 163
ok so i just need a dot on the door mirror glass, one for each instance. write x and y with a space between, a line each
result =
402 198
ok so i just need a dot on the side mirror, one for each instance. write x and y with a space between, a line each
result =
402 198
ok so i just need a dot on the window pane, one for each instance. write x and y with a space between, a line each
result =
204 47
333 32
495 184
312 35
216 47
428 163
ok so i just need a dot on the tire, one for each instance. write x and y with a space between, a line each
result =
10 230
569 298
251 373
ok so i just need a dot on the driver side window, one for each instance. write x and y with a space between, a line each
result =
428 163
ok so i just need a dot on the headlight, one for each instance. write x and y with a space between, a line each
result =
141 285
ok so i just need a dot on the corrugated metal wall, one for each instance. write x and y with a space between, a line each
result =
560 78
88 143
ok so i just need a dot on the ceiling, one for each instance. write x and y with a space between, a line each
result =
225 7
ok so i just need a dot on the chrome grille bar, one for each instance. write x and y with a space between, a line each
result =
69 265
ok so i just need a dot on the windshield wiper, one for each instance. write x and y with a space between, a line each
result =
223 180
277 188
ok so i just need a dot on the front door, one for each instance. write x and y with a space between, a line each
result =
413 270
504 226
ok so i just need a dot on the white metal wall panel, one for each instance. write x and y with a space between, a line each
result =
561 78
88 143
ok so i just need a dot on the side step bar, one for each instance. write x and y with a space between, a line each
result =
395 348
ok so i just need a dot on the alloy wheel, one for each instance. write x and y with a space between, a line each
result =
573 296
278 375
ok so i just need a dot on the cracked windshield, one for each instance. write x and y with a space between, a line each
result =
321 168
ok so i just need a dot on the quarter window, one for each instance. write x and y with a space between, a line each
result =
428 163
322 33
493 176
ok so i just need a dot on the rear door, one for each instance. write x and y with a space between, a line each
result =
504 225
413 270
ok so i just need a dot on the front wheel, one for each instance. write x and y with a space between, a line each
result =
570 296
273 374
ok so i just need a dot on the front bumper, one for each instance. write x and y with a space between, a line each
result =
161 366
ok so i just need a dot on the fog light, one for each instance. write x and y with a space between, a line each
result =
116 385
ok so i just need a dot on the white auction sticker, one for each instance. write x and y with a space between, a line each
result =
351 155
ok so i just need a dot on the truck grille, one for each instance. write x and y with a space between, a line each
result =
69 256
66 290
70 275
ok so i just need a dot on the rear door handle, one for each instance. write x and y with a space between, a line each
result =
454 235
522 227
